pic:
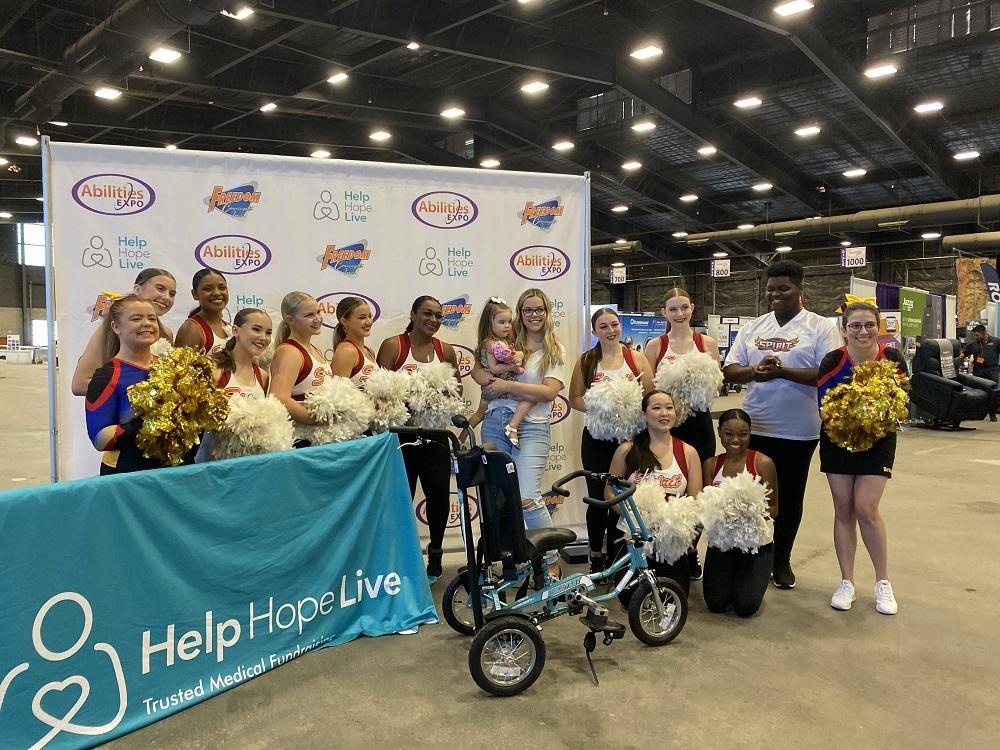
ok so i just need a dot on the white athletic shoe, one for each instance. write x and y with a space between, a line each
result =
885 602
843 597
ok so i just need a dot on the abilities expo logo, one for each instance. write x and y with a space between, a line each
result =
539 262
542 215
114 194
560 409
444 209
348 259
454 511
453 311
233 254
236 201
328 306
466 359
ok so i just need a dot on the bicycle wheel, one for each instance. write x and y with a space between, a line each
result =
643 618
456 604
507 656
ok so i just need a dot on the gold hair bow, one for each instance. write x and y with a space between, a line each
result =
112 296
851 299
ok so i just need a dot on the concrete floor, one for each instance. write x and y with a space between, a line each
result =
799 674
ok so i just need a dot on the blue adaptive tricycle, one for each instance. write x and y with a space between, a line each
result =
490 597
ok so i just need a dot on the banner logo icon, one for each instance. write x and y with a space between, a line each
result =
455 511
113 194
444 209
328 306
236 201
466 359
560 410
454 310
348 259
233 254
430 264
326 207
539 263
542 215
96 254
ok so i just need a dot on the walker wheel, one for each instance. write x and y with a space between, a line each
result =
643 618
456 604
507 656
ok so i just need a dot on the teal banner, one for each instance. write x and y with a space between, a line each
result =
128 598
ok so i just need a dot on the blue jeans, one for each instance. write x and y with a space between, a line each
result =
530 459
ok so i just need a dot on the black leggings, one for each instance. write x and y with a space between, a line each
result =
736 578
596 455
791 461
680 571
430 461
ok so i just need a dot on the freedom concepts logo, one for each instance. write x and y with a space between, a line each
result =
560 410
233 254
542 215
347 259
466 359
113 194
328 306
454 310
539 263
236 201
443 209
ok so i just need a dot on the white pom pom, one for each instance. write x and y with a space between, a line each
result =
614 409
254 426
434 396
735 514
341 410
692 382
672 523
161 346
388 390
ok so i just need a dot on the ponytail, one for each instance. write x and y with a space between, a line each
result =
289 304
224 357
592 357
344 308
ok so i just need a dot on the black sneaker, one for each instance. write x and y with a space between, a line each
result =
694 565
434 563
783 576
596 562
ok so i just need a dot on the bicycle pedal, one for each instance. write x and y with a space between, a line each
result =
613 631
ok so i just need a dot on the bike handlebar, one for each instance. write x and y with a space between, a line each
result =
627 486
423 432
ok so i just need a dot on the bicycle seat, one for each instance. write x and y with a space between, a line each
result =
551 538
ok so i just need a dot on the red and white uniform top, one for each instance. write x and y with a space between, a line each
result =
364 366
409 364
628 371
312 372
667 353
213 342
234 389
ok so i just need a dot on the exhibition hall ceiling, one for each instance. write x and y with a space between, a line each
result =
690 115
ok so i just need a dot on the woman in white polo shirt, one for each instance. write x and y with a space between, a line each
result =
778 355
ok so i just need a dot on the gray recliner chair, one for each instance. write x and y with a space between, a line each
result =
944 397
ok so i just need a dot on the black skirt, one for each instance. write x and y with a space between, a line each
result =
876 461
698 432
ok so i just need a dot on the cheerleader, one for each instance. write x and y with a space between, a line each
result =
352 358
129 329
858 478
237 372
429 459
153 284
734 577
298 366
607 360
655 455
204 329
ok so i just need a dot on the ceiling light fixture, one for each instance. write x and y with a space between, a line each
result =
807 130
966 155
631 165
240 15
490 163
720 254
745 227
413 46
3 161
320 153
170 147
619 208
563 145
164 55
855 172
380 136
679 235
793 7
748 102
647 52
689 198
881 70
618 264
58 123
40 198
761 187
106 92
789 233
643 126
26 140
707 151
893 224
534 87
452 112
845 243
925 107
337 78
783 249
621 241
6 215
269 107
930 235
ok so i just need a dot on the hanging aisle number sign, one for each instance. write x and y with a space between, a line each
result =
853 257
720 268
619 275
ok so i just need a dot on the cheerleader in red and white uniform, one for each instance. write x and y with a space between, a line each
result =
298 366
204 330
352 358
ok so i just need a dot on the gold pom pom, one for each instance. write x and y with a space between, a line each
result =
859 413
177 402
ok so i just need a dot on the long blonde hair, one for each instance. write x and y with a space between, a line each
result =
289 304
553 352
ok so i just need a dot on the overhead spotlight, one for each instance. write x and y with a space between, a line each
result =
643 126
881 70
320 153
3 161
688 198
621 241
490 163
745 227
930 106
720 254
793 7
894 224
58 123
164 55
413 46
789 233
240 14
563 145
647 52
856 172
707 151
40 198
534 87
170 147
452 112
679 235
106 92
6 215
748 102
337 77
619 208
930 236
966 155
761 187
269 107
783 249
380 136
26 140
807 130
630 166
845 243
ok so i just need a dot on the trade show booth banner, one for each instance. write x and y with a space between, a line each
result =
132 597
384 232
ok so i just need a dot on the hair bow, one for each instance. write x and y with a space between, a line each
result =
498 301
850 299
112 296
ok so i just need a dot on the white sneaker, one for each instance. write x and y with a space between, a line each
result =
843 597
885 602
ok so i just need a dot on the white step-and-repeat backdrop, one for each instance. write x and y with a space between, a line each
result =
273 224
